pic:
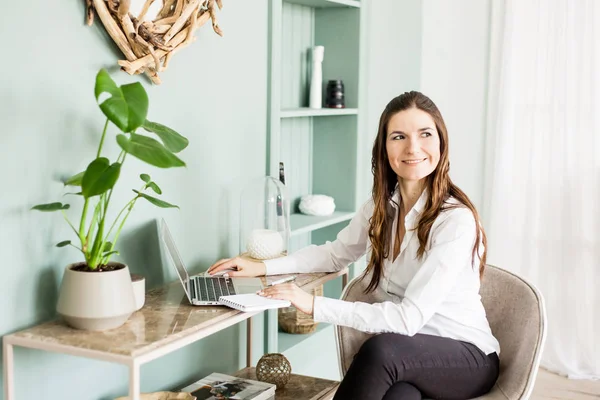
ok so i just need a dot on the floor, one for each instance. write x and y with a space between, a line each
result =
551 386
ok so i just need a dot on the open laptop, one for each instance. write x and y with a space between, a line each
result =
204 290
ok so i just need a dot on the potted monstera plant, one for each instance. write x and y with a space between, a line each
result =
97 293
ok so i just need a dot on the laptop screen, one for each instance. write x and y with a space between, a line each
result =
167 240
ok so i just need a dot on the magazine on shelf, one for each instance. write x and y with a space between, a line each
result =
221 387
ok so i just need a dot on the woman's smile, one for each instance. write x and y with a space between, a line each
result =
414 161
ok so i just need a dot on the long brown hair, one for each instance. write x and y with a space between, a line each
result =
438 183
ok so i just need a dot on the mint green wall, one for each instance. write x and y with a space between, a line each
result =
214 92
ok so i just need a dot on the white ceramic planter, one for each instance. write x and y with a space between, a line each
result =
139 290
96 300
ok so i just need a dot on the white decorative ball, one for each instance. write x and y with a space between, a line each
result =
317 204
264 244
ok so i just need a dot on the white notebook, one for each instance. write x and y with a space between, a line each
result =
252 302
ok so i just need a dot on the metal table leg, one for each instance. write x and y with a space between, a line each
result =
134 381
8 360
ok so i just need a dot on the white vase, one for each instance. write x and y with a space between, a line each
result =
316 80
96 300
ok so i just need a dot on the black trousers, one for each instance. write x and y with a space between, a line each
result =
390 366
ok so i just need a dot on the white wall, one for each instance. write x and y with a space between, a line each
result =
393 57
454 70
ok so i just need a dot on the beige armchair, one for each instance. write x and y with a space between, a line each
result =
515 310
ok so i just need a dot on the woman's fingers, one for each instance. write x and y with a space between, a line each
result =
229 263
299 298
238 266
280 290
217 264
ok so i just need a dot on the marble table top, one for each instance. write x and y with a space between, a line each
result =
166 317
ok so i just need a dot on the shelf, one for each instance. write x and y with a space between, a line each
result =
316 112
299 386
326 3
286 341
302 223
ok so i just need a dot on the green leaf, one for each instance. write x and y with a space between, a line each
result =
104 83
156 202
155 187
137 102
75 180
64 243
115 107
149 150
145 177
127 105
171 139
107 246
99 177
110 253
51 207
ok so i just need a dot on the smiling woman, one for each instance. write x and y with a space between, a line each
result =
427 252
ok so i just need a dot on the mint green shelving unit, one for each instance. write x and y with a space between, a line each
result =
319 147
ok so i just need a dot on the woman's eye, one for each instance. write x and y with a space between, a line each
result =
398 137
426 134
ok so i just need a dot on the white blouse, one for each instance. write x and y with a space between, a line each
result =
436 295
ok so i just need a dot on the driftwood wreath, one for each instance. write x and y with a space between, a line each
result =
148 42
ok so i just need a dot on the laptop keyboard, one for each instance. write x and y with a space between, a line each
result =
210 289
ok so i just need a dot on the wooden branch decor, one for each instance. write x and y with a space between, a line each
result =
149 32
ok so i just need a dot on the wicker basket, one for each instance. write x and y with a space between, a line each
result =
292 320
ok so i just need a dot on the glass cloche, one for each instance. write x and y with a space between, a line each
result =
264 219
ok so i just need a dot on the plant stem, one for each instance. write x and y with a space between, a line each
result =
92 226
102 139
70 224
77 248
111 190
82 221
99 240
119 216
82 237
129 207
122 157
123 222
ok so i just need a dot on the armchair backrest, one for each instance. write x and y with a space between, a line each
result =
349 340
517 316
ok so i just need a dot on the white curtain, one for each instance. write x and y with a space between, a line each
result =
542 187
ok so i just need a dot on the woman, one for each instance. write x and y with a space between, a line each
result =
427 255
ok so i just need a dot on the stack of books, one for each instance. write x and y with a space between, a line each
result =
220 387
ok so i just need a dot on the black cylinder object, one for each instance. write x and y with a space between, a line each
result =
335 94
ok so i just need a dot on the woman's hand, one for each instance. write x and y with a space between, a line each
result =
289 291
238 266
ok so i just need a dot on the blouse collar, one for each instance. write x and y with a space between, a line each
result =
419 205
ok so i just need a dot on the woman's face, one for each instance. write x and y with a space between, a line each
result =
413 144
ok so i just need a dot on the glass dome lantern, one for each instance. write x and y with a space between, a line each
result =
264 219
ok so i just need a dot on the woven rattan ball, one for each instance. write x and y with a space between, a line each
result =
274 368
